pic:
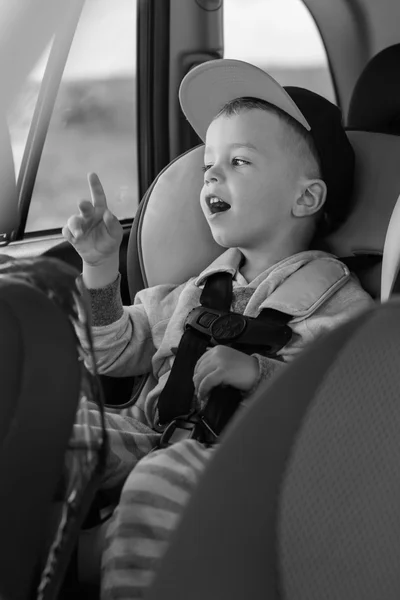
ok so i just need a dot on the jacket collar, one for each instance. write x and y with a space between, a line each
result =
229 262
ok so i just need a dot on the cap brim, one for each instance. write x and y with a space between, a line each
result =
207 87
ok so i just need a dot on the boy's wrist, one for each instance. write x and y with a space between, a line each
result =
100 276
256 377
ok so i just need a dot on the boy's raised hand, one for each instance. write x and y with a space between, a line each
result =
224 365
95 233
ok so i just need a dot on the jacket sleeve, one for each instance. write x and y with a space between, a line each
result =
122 338
267 367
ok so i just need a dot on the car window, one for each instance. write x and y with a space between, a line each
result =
281 37
92 127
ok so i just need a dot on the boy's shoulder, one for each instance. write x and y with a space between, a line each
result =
311 279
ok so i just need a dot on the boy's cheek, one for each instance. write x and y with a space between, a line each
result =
203 203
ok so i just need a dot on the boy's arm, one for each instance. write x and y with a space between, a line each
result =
122 338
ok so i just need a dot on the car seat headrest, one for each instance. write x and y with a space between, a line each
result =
377 186
375 101
301 500
174 240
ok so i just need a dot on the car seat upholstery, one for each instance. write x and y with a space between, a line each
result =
302 499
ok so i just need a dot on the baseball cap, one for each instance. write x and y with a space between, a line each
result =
209 86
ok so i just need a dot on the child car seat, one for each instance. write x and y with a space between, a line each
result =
170 240
48 471
301 500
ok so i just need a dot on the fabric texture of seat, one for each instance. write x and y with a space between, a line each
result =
302 500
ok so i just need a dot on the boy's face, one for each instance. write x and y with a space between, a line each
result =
249 166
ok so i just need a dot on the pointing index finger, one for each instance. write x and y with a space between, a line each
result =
96 191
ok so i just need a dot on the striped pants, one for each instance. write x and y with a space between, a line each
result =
156 487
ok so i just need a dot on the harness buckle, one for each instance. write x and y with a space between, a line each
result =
222 327
181 428
188 427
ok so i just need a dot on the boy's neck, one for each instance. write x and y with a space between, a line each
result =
255 262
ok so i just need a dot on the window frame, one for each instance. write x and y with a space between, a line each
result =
152 89
47 96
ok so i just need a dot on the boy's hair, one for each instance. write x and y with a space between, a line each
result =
299 139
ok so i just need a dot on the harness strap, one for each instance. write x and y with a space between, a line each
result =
176 398
217 292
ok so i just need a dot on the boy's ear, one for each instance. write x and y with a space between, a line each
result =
311 199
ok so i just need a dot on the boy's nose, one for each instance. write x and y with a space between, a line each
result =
213 175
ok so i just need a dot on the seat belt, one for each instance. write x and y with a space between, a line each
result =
213 323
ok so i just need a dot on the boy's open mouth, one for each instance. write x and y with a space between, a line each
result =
216 204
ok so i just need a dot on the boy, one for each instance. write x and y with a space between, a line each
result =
278 172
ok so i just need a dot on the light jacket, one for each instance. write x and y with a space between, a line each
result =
313 286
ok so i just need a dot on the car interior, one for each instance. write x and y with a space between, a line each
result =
301 499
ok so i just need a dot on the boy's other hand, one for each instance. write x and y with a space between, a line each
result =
95 233
224 365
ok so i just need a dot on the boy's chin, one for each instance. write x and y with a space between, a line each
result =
224 240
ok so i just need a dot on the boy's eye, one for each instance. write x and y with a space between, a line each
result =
206 167
239 162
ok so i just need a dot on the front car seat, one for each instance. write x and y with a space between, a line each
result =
49 472
302 499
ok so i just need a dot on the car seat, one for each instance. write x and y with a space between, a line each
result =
48 471
170 240
311 468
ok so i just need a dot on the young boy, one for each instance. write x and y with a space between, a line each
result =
278 173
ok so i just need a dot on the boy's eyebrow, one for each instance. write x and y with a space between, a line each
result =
239 145
244 145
